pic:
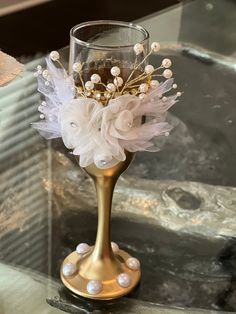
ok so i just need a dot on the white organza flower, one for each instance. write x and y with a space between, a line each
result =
123 120
80 122
99 134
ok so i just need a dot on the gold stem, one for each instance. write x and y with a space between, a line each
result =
104 187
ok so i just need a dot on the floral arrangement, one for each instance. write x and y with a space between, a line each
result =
99 120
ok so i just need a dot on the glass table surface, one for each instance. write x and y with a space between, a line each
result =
174 210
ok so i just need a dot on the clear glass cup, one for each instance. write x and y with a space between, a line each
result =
103 44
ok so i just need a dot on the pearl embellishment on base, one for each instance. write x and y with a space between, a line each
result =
115 247
82 248
124 280
133 263
68 269
94 286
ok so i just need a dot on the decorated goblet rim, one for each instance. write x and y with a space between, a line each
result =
127 25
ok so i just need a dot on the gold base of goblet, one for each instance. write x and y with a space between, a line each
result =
106 272
102 273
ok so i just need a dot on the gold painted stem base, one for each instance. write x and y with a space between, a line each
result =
111 289
101 263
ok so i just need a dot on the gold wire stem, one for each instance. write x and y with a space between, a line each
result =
135 68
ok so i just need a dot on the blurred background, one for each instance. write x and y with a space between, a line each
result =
31 26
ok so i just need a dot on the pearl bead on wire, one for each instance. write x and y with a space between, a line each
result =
118 81
143 88
154 83
166 63
155 46
138 48
89 85
149 69
167 73
95 78
115 71
54 55
77 67
111 87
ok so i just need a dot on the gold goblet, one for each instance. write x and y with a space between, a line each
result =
103 271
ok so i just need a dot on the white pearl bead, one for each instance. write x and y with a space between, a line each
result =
36 74
107 95
95 78
142 96
164 98
94 286
39 67
143 88
54 55
149 69
178 94
167 133
41 108
111 87
115 247
42 116
124 280
138 48
39 72
115 71
77 67
47 83
46 74
174 86
118 81
133 263
154 83
82 248
97 96
68 269
167 73
155 46
166 63
89 85
43 103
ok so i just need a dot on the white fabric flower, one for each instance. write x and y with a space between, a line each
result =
100 134
80 122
